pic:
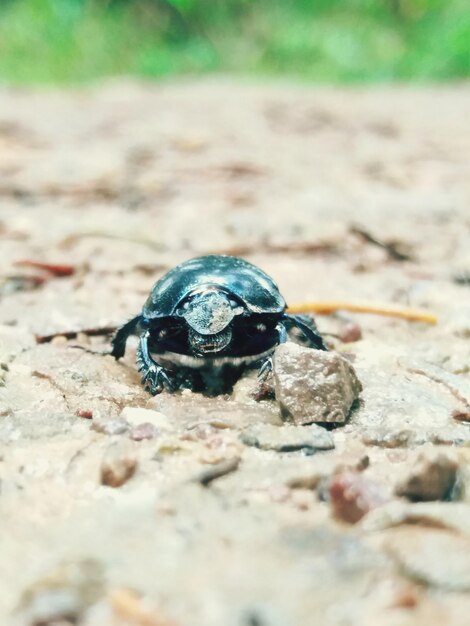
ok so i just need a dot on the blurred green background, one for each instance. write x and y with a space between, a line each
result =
57 41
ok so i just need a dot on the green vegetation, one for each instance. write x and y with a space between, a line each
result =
55 41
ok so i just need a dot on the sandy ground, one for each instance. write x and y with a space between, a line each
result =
123 181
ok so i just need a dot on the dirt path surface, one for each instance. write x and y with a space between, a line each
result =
122 182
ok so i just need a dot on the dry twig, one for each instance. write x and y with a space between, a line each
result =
59 270
327 307
217 471
73 334
392 248
293 247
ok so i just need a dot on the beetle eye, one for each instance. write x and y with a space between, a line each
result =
261 327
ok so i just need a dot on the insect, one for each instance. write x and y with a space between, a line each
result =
208 319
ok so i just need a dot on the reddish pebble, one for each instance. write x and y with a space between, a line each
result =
87 414
350 332
461 415
146 430
352 495
407 598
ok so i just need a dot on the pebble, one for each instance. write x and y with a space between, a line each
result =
136 416
119 464
146 430
352 495
288 438
313 385
432 477
461 415
111 426
350 333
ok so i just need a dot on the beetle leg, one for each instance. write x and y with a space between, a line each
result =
267 365
122 334
266 368
307 329
154 376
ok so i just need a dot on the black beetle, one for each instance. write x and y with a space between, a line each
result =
211 314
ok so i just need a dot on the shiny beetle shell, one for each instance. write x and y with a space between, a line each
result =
246 282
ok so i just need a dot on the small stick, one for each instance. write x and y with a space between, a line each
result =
73 334
294 247
72 239
59 270
325 308
217 471
392 247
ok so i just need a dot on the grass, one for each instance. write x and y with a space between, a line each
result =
63 41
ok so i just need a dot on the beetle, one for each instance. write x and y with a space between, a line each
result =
210 318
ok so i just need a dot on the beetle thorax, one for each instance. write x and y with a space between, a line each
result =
209 314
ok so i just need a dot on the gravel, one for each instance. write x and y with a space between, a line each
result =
120 182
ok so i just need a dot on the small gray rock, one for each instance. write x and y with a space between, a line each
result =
312 385
287 438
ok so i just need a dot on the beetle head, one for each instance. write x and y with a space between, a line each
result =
209 314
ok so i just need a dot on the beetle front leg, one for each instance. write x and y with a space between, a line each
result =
122 334
267 365
154 376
